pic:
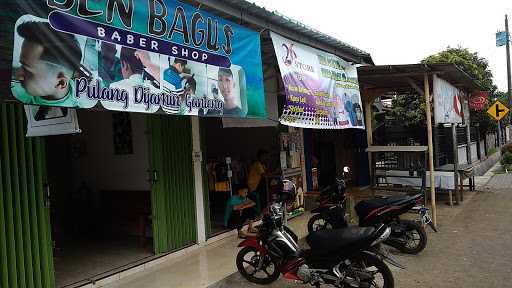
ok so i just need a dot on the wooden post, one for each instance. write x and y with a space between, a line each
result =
455 148
430 149
369 129
369 134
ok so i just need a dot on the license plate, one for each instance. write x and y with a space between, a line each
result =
425 216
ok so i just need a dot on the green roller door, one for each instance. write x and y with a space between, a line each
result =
25 240
173 193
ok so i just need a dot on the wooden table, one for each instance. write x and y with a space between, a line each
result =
464 171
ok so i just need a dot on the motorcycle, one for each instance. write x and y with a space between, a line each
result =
349 257
407 236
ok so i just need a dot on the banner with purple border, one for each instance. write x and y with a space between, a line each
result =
322 90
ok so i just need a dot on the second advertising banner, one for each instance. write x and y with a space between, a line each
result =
322 90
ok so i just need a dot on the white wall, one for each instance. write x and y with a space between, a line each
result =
474 152
463 155
100 167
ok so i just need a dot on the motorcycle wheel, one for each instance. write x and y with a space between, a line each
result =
415 237
247 262
381 275
317 222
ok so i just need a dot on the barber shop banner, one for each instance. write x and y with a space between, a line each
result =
156 56
322 90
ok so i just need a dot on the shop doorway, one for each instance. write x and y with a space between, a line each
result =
334 149
241 146
100 196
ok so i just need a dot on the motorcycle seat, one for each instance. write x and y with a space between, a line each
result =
332 240
365 207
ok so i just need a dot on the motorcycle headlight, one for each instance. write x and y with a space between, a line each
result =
382 237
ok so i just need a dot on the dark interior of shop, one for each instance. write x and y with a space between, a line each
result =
242 145
333 150
100 197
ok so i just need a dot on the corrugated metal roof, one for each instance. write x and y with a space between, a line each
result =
398 76
279 19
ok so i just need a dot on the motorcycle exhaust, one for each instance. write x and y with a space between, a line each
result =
392 261
385 257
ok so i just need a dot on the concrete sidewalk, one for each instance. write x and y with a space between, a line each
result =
472 248
214 265
198 268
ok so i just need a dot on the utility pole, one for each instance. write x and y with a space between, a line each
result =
509 78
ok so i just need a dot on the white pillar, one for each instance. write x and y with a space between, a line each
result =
197 157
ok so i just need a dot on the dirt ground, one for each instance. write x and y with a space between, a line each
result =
472 248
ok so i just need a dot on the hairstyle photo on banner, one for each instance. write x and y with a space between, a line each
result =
151 59
46 63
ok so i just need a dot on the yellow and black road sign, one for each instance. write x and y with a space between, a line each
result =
498 110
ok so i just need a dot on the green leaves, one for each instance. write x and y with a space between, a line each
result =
409 109
477 67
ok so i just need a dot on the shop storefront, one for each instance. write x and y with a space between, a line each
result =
149 118
121 188
323 100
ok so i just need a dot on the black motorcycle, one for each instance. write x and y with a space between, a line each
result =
349 257
406 235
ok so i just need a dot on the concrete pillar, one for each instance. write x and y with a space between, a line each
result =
197 157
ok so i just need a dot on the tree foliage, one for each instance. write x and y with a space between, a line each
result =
409 109
477 67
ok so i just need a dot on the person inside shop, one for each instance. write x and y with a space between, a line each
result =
49 60
255 180
240 210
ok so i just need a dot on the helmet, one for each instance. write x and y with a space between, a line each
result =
288 192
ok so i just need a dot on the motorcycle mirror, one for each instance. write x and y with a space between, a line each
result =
346 169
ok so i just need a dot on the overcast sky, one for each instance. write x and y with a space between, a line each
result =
404 32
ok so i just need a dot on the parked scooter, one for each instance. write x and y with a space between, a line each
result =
407 236
349 257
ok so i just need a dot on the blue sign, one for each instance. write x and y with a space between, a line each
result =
149 56
501 38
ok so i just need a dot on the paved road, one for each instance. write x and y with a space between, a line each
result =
473 248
